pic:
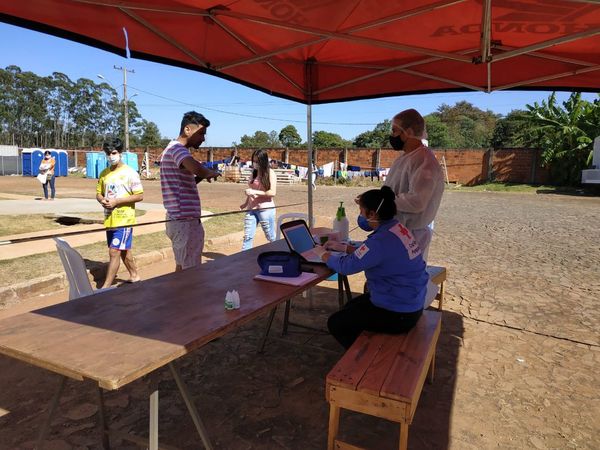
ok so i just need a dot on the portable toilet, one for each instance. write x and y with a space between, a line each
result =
91 160
101 163
131 159
61 165
31 159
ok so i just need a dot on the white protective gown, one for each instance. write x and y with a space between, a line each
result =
418 181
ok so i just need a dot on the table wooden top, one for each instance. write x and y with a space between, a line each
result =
118 336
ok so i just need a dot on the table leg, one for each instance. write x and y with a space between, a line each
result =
286 317
102 418
191 407
340 290
153 431
347 288
261 346
53 405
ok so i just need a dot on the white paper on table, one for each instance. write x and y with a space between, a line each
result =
305 277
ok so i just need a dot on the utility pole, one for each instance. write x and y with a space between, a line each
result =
125 105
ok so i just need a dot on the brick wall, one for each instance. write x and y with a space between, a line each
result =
518 165
464 166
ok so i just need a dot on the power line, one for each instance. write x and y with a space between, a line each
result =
195 105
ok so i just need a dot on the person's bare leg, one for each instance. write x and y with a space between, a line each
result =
127 257
113 266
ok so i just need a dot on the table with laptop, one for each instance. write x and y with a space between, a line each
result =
116 337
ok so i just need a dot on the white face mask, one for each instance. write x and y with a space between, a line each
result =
114 159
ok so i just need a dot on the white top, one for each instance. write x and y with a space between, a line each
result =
418 182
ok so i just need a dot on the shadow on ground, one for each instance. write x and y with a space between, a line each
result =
247 400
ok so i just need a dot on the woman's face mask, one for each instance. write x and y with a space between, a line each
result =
47 156
363 223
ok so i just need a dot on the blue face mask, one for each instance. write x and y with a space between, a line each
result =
363 223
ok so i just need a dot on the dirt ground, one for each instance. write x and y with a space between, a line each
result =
517 362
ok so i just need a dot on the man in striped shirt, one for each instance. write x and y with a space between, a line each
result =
179 173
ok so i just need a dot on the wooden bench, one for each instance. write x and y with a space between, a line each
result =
437 275
284 176
382 375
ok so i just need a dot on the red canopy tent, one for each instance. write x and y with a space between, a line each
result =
319 51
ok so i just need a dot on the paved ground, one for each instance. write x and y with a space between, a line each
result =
23 204
518 358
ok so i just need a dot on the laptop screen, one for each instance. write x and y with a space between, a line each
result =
299 238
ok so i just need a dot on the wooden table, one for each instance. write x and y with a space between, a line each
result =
117 337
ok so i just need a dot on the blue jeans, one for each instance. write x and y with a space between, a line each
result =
267 222
49 180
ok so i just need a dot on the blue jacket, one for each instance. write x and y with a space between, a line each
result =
393 265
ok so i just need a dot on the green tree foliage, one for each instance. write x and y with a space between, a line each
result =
512 131
466 126
325 139
55 111
378 137
260 139
150 135
438 133
289 137
565 134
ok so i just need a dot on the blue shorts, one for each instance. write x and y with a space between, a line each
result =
120 238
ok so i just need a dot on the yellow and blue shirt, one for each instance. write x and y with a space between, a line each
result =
121 182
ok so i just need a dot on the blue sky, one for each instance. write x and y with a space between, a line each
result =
165 93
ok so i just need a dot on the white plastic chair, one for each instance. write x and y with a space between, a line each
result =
288 216
79 283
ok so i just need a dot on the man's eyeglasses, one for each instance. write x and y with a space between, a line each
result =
114 152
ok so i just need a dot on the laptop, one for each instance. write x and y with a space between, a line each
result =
299 240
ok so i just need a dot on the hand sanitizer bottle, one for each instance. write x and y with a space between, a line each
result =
340 223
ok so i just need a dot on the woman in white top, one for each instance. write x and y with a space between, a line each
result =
262 187
47 168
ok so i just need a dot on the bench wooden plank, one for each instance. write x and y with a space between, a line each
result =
350 369
437 274
405 378
375 375
362 402
341 445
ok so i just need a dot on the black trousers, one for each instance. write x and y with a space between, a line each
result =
360 314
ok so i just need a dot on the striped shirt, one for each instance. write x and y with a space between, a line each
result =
179 191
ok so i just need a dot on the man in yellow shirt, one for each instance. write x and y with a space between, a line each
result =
118 190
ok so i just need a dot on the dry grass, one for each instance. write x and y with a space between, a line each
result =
28 267
26 223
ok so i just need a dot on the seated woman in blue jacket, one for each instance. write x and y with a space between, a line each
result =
393 265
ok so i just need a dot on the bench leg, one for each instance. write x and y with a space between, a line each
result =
334 423
440 296
403 436
431 369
